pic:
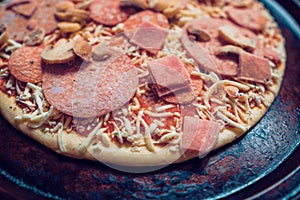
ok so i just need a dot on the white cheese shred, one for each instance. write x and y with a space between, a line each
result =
84 145
232 123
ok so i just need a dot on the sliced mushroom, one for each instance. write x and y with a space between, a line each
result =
35 37
62 8
242 3
69 27
61 52
3 34
169 8
82 49
83 4
78 15
101 52
143 4
229 49
232 91
233 36
198 34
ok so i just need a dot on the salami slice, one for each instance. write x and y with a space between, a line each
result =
44 16
87 90
107 12
134 21
16 25
245 17
25 64
26 9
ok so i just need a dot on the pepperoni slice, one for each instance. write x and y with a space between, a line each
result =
245 17
107 12
26 9
134 21
16 24
87 90
25 64
43 17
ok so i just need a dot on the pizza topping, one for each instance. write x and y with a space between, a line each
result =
107 12
134 21
251 18
168 8
69 27
272 55
82 48
163 72
200 54
66 11
112 83
61 52
43 17
197 34
199 135
26 8
149 37
242 3
254 68
34 38
229 49
101 52
25 64
143 4
233 36
232 91
3 34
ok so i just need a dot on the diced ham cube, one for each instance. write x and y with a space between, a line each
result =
149 37
199 135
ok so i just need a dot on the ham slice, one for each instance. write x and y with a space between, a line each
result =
171 80
254 68
149 37
199 135
198 53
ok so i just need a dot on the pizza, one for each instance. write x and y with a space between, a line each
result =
137 82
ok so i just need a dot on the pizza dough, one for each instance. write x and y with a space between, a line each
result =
160 83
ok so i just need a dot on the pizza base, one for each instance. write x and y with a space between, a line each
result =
122 155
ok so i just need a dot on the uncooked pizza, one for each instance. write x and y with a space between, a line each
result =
137 82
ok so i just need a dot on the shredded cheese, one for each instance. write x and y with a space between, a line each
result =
43 119
148 140
165 114
87 141
232 123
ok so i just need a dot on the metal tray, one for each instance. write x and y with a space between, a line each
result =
262 164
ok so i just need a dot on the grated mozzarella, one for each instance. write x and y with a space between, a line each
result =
45 117
232 123
87 141
147 137
61 146
165 114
